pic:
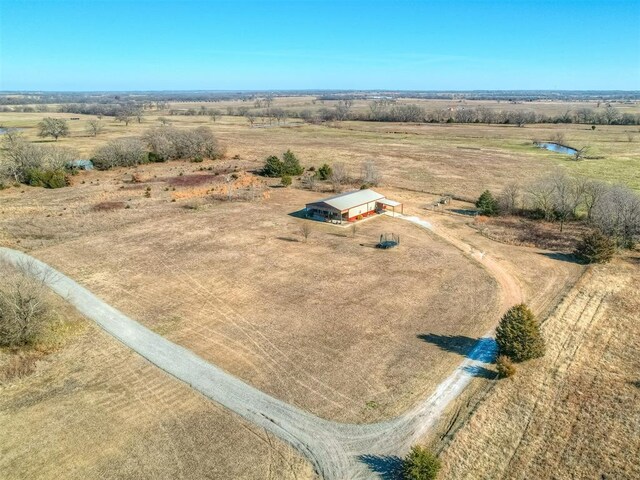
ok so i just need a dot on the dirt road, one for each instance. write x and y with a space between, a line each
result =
337 451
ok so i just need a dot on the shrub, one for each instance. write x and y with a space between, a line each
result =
596 247
121 152
505 367
420 464
518 334
487 204
46 178
286 180
25 312
324 172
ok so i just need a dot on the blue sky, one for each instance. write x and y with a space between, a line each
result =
307 44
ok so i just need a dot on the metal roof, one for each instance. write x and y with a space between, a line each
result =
390 203
348 200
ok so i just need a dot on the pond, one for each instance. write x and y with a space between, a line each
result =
556 147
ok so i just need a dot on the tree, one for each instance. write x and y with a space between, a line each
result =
420 464
593 192
596 247
505 367
306 230
611 114
25 312
618 215
509 199
53 127
214 114
370 173
291 164
94 127
124 116
324 172
518 335
487 204
273 167
338 176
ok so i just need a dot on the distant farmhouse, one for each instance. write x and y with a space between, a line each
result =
351 206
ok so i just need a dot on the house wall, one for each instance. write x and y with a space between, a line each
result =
361 210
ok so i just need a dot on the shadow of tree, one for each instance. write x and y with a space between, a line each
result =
386 467
562 257
451 343
481 372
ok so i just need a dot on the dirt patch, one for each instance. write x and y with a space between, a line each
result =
109 206
193 180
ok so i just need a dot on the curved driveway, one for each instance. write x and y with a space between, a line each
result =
337 451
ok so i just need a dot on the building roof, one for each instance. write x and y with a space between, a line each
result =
389 203
348 200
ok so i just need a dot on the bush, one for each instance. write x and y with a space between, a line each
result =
505 367
487 204
596 247
46 178
324 172
286 180
420 464
25 313
121 152
518 335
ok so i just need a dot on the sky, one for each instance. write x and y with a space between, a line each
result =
88 45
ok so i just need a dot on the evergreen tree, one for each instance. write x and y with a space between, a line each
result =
487 204
291 164
324 172
273 167
518 335
420 464
596 247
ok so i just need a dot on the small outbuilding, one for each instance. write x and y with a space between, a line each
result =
351 206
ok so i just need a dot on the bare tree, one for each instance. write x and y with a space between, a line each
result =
594 191
370 173
25 312
611 114
251 118
510 197
306 230
618 215
214 114
558 137
581 153
94 127
541 194
338 176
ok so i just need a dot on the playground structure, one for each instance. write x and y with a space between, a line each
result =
388 240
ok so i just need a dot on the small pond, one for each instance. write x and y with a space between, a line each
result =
556 147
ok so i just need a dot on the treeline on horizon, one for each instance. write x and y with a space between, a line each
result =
35 98
378 111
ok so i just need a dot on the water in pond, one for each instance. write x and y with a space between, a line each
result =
555 147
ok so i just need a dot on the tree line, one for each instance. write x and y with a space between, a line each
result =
613 211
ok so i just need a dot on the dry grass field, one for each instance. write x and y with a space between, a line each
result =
433 157
94 409
330 324
576 412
